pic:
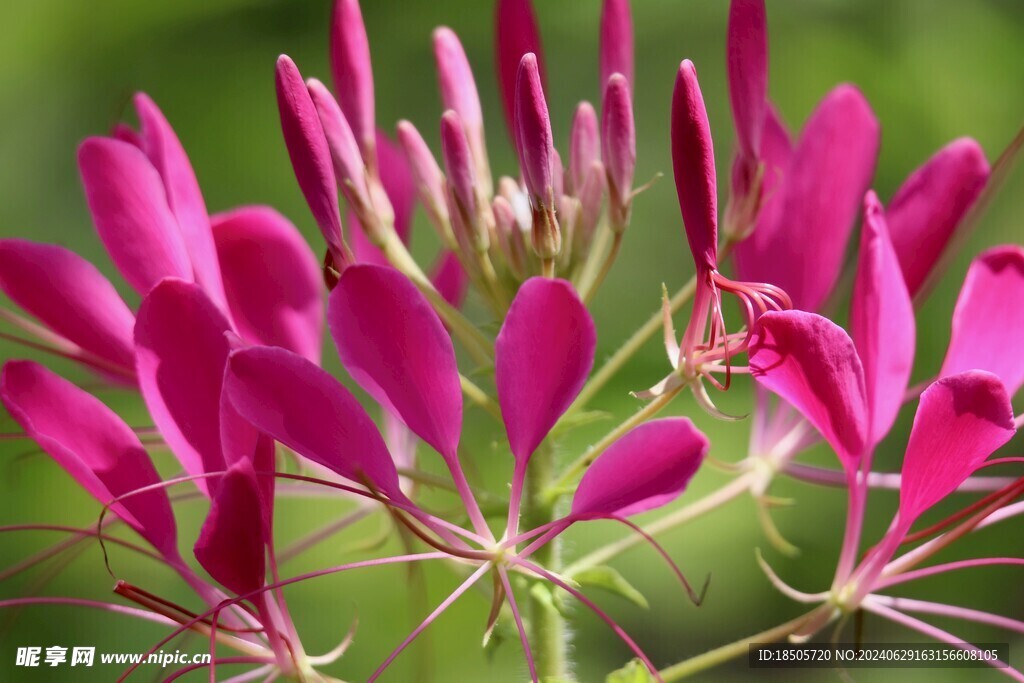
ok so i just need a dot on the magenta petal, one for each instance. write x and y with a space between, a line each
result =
393 344
819 197
747 58
810 361
988 322
129 207
93 445
543 354
648 467
165 151
70 296
231 543
450 279
693 160
926 210
353 74
616 42
300 405
961 420
181 352
272 280
310 155
881 321
776 154
516 34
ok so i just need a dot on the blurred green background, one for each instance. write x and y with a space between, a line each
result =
932 71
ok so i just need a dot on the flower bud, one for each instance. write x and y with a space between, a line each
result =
515 34
584 145
465 207
428 176
353 76
619 141
693 161
348 162
616 41
590 196
310 157
536 152
458 92
510 235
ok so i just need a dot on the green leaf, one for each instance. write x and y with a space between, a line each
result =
633 672
542 594
610 580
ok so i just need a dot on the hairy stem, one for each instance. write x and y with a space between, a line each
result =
585 460
720 655
549 629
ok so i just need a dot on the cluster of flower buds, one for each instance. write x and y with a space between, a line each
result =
224 348
541 220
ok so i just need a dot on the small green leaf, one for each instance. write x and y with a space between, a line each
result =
633 672
612 581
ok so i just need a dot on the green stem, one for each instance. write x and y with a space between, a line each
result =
549 635
585 460
723 654
606 267
641 336
480 397
630 347
713 500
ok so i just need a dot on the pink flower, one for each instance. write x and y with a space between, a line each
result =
150 215
543 355
851 389
706 344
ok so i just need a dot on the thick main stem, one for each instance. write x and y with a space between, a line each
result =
549 629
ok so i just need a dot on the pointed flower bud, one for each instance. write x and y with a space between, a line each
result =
584 145
616 41
353 75
536 151
458 92
618 137
349 170
693 160
310 156
458 163
428 176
